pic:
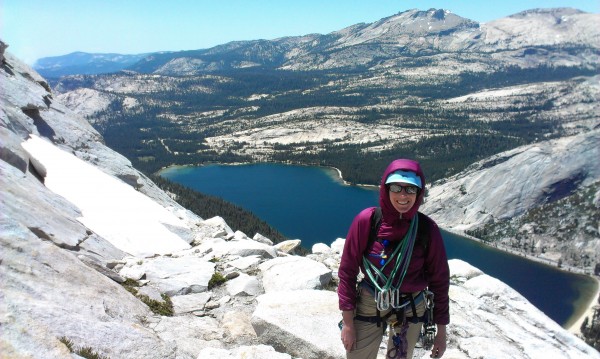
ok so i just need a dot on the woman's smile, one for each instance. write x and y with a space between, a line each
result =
402 201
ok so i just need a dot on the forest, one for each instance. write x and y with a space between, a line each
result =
207 207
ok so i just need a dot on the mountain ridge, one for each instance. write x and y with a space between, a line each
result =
393 30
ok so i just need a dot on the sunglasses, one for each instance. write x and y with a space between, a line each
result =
396 188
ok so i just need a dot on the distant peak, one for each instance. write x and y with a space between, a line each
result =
439 14
551 11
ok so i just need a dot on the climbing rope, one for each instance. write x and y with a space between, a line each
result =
386 293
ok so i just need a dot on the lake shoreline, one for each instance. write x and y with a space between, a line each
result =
573 324
585 312
581 308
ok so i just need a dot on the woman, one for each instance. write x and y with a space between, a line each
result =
406 258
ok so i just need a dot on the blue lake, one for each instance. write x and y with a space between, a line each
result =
314 205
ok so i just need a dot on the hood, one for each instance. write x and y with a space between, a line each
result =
392 226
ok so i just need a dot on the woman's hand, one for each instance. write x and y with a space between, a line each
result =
439 342
348 337
348 331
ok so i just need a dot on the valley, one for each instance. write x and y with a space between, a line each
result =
460 97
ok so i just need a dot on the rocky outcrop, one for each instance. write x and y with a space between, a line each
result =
49 294
61 267
507 184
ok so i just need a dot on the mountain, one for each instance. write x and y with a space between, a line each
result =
84 64
393 41
539 200
96 259
433 36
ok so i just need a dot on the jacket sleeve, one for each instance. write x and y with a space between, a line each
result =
438 275
354 247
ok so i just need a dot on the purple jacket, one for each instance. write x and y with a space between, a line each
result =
426 268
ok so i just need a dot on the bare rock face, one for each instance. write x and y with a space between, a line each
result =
48 294
3 47
512 182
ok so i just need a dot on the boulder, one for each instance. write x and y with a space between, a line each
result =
176 276
190 302
319 248
218 247
293 272
338 245
300 322
215 227
262 239
244 285
288 246
244 263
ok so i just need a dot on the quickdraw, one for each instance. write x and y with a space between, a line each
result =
428 330
390 298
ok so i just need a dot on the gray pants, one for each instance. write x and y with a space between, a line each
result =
369 335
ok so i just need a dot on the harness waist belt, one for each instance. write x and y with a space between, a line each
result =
407 299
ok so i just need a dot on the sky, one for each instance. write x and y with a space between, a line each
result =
41 28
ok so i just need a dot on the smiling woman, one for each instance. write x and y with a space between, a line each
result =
393 255
403 188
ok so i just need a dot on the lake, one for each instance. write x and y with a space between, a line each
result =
314 205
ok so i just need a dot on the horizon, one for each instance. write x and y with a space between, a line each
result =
137 27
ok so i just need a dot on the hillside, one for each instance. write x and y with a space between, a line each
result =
161 282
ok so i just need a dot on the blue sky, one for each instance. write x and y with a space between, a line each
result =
41 28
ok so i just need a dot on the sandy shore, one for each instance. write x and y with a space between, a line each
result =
585 312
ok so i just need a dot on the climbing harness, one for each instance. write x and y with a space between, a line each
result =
386 289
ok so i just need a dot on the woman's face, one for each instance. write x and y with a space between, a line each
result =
402 201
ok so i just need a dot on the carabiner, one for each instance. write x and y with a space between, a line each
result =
383 300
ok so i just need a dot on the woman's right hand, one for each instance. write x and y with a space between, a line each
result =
348 331
348 337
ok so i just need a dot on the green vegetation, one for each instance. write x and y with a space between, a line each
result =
164 307
170 126
84 352
207 206
216 280
440 157
590 329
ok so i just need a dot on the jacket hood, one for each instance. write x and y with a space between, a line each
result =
392 226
